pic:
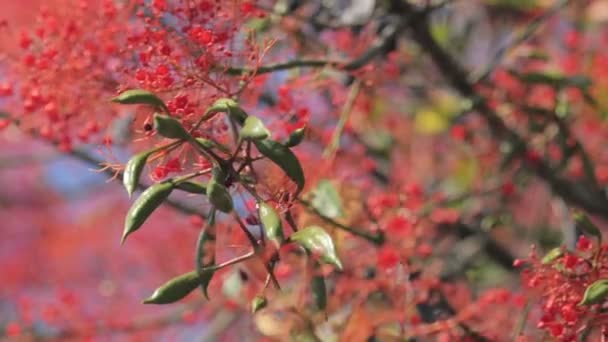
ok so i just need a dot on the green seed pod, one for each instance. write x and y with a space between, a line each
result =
170 128
219 196
140 96
175 289
145 205
271 223
296 137
284 158
228 106
595 293
319 291
135 165
192 187
254 129
258 303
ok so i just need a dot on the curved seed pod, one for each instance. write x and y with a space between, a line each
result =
219 196
296 137
205 253
271 223
140 96
229 106
595 293
316 240
258 303
145 205
175 289
284 158
319 292
192 187
133 169
254 129
170 128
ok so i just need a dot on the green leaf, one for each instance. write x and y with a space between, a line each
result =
296 137
175 289
254 129
228 106
271 223
219 196
595 293
145 205
585 224
284 158
319 291
327 200
140 96
316 240
169 127
258 303
192 187
135 165
552 255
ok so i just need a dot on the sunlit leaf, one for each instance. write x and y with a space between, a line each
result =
254 129
317 241
326 200
271 221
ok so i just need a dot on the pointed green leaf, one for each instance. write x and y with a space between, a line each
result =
271 223
192 187
169 127
258 303
219 196
228 106
552 255
595 293
316 240
140 96
327 200
254 129
133 169
284 158
296 137
144 206
175 289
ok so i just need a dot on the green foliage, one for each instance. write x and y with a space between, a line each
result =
175 289
271 221
595 293
145 205
284 158
317 241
